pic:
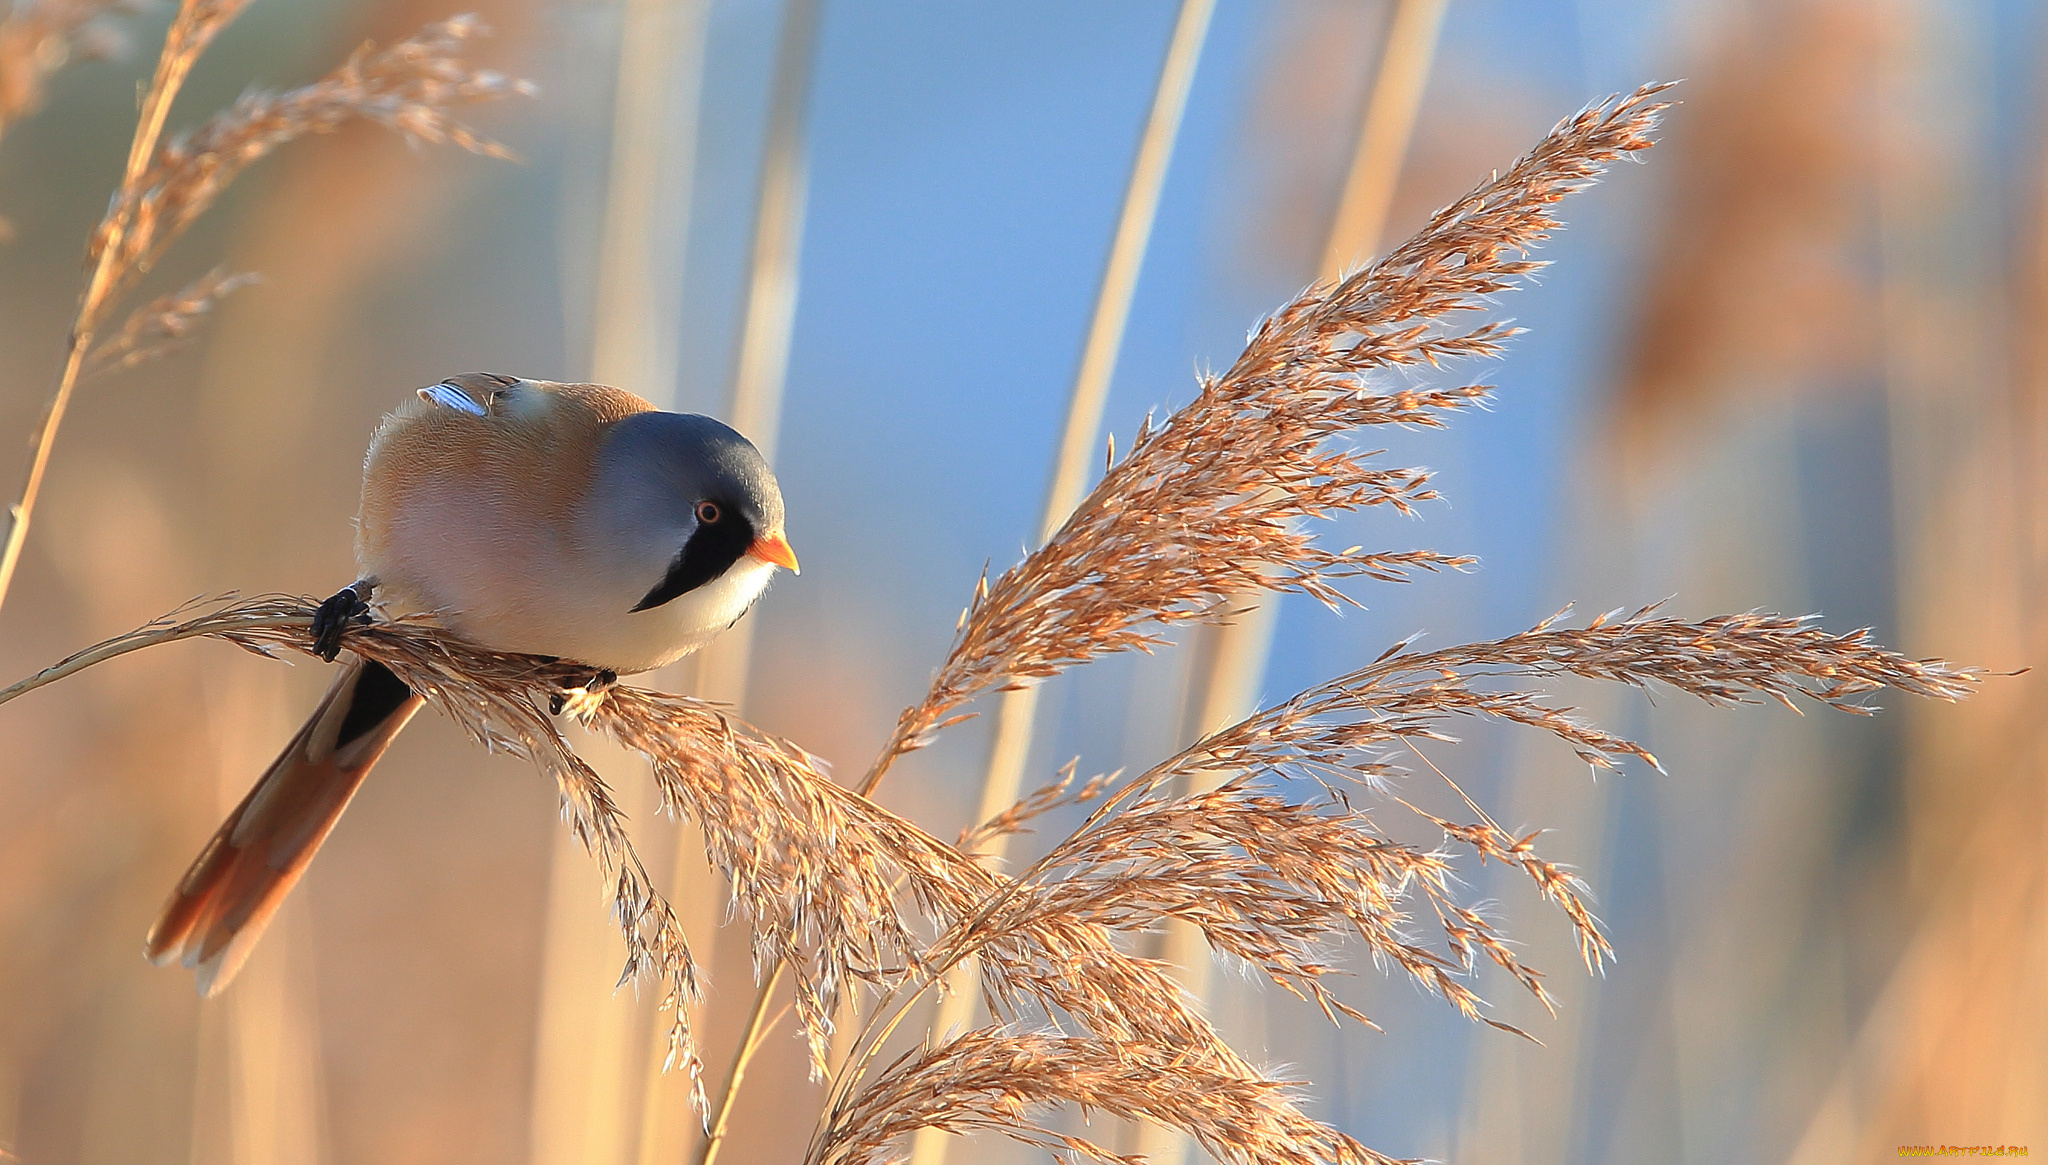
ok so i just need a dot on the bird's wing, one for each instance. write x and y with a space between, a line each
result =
450 397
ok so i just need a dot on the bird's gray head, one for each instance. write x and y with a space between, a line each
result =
691 492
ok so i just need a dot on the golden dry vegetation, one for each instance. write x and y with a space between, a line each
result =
440 990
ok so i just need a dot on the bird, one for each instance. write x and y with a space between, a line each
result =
574 521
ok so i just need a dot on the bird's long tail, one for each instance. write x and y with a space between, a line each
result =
221 905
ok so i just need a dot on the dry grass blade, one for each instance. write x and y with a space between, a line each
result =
410 88
1209 504
166 324
1001 1081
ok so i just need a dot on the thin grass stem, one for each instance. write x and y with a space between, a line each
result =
650 199
761 368
197 628
638 295
750 1041
1237 657
1233 658
758 377
191 30
1017 710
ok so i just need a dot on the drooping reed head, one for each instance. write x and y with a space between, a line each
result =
410 87
1213 503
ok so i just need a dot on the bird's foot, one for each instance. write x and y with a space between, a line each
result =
581 700
349 607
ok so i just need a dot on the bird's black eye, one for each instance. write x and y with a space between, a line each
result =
708 512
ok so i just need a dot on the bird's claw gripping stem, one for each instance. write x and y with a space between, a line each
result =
580 700
349 606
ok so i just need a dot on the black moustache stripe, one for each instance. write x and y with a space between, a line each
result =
710 552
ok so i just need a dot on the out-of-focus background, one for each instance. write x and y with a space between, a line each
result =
1798 360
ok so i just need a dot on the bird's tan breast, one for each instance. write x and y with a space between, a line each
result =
474 517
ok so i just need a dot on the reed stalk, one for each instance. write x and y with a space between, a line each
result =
768 324
193 28
1226 687
1017 709
1079 435
599 1094
408 87
1232 656
755 408
656 132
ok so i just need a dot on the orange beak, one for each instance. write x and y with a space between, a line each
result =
775 548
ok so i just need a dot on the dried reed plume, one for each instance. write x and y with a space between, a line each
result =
1277 864
834 886
1753 279
1275 880
994 1080
166 323
36 40
1210 504
1328 867
409 87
